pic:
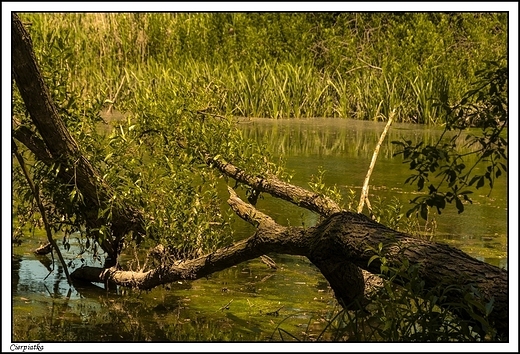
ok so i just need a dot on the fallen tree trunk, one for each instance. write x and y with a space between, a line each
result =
341 240
340 246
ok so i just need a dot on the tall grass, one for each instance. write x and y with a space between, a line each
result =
276 65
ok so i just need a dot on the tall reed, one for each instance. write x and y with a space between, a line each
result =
352 65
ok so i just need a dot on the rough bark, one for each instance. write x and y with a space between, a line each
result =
43 112
341 240
350 236
56 144
291 193
339 246
347 278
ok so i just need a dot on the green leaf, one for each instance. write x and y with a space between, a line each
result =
72 195
459 205
424 211
372 259
480 182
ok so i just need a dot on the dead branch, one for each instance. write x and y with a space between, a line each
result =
277 188
364 190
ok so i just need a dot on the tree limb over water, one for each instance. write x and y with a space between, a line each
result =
299 196
339 246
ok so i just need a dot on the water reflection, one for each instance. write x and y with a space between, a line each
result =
35 276
184 311
234 304
344 148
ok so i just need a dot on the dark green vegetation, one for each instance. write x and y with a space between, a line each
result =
277 65
485 106
177 108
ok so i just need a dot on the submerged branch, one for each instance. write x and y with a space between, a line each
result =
270 237
337 246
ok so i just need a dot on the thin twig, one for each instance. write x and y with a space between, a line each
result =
115 96
226 306
36 192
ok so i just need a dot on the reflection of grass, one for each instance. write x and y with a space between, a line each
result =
343 148
329 137
335 137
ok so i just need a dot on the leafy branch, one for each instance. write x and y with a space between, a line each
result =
484 107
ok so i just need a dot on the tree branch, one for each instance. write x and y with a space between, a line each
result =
337 246
291 193
247 212
36 192
269 237
61 146
364 190
31 141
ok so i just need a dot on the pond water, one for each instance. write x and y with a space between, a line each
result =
251 302
343 149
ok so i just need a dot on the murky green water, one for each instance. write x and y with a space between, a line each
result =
251 302
344 148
